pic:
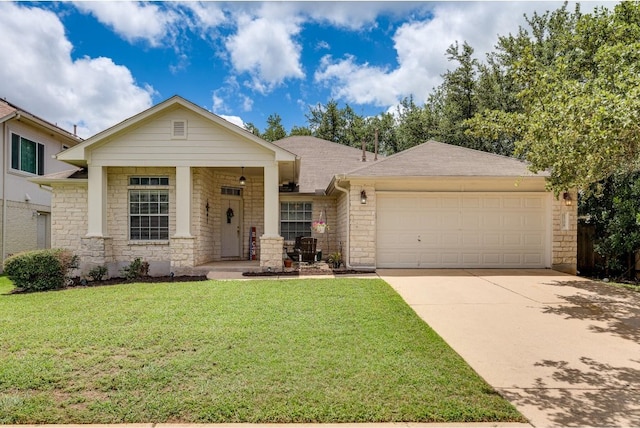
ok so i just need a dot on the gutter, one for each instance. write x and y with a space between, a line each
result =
335 180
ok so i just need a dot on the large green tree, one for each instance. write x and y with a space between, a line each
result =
275 130
578 82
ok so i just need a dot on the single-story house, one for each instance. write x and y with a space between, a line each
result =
181 187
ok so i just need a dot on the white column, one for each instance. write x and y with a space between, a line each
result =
271 201
183 202
97 202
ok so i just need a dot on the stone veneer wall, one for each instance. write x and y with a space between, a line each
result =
342 226
202 222
565 235
157 253
327 241
362 231
207 186
271 256
22 226
68 216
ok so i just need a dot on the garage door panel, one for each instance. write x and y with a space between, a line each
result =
462 230
491 259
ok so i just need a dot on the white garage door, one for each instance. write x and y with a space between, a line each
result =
454 230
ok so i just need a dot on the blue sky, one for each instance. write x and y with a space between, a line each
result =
96 63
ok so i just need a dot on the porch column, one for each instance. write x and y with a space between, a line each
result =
97 202
271 201
271 242
183 202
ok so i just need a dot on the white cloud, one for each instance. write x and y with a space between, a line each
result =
236 120
352 15
264 47
420 51
39 75
132 20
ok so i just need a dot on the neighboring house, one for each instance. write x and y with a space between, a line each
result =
29 144
165 186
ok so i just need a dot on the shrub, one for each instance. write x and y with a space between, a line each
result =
40 270
98 273
137 269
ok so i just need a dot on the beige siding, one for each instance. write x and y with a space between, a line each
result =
16 181
207 144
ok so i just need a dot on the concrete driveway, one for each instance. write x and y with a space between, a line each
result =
564 350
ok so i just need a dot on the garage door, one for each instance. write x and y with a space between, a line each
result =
453 230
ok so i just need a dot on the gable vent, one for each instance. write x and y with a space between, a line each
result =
179 129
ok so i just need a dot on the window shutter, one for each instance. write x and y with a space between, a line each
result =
40 159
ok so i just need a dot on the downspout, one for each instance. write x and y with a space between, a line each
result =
4 192
346 192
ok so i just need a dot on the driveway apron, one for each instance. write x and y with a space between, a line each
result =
564 350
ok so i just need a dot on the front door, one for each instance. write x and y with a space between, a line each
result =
231 228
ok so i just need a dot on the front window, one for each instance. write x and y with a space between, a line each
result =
149 209
295 219
27 155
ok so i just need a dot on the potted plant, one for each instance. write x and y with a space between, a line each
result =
335 260
319 226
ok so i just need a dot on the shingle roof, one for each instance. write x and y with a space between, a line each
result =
320 160
434 159
6 109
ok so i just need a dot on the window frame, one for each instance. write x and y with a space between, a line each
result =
301 226
148 209
17 157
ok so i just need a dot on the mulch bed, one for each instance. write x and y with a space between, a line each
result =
307 271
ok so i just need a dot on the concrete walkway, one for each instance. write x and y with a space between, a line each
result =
564 350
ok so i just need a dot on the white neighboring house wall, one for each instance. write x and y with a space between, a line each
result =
25 207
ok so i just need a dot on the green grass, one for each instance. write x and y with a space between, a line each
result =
327 350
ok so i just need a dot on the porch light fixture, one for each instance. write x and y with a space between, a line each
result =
363 197
567 198
242 180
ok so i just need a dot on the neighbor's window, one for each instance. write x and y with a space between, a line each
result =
295 219
27 155
149 209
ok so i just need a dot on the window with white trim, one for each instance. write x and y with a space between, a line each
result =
27 155
295 219
149 209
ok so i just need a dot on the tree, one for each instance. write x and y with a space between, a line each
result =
300 130
578 77
613 207
326 122
275 130
412 126
253 129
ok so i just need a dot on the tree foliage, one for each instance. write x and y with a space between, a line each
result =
613 207
578 81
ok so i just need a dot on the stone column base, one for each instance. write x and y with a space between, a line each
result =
271 253
94 251
183 255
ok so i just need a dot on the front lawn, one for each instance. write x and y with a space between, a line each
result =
304 350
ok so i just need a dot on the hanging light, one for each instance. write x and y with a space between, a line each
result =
363 197
242 180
